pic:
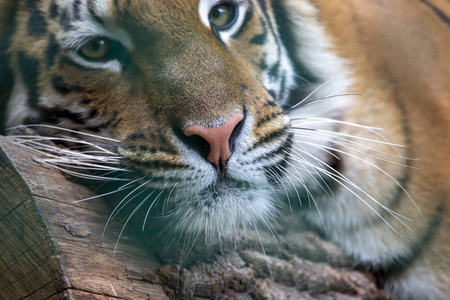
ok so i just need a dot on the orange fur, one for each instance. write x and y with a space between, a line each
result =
400 52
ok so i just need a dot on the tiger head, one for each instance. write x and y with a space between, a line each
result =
223 108
198 95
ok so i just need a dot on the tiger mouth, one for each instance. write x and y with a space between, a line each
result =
223 186
222 191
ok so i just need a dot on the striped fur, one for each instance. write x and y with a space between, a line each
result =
314 80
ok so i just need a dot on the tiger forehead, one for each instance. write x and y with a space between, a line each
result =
171 13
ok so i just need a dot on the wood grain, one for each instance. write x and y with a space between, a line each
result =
52 247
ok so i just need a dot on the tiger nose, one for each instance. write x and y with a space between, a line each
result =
220 139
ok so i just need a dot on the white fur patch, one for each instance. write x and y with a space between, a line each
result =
18 110
113 65
102 9
204 8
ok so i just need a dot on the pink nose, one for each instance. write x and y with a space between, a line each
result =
218 139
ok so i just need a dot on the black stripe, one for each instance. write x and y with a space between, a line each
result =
54 9
404 180
266 119
260 39
276 66
283 153
270 103
262 64
274 70
64 20
31 4
136 136
438 12
29 69
152 150
90 6
52 50
113 121
286 32
268 138
406 258
57 113
167 150
37 25
263 5
281 150
6 75
87 101
157 179
159 164
32 120
283 84
247 18
76 9
93 113
61 87
272 93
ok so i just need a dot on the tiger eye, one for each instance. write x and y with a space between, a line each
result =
221 15
96 48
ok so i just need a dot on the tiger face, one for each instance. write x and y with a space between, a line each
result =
225 110
193 91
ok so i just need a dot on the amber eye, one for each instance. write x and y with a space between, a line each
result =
95 49
222 16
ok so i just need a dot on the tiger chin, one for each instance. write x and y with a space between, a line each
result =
225 110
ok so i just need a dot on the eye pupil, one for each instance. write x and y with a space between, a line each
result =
96 45
216 13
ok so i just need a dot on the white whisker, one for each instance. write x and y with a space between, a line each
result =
319 146
336 174
119 206
65 129
311 94
279 179
378 168
309 171
125 224
122 188
351 136
148 211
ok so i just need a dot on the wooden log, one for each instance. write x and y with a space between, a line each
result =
53 248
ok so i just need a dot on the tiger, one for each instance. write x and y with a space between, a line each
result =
233 108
